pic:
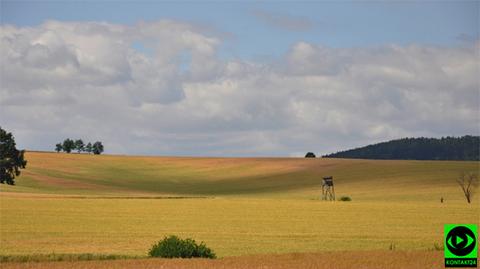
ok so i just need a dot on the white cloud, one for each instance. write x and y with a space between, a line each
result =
88 80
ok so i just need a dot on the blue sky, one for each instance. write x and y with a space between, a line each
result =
237 78
331 23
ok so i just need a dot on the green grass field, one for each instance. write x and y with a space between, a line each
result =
71 203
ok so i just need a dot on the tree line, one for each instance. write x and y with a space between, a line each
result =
70 145
465 148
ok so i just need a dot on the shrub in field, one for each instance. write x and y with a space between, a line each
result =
310 155
175 247
345 199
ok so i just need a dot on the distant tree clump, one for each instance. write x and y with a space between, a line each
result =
466 148
97 148
69 145
89 148
58 147
310 155
79 146
11 159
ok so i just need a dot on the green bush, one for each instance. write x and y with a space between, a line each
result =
175 247
345 199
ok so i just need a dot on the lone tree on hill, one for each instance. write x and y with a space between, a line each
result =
58 147
11 159
310 155
97 148
79 145
468 182
68 145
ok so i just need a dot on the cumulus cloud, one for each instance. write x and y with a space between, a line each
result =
89 80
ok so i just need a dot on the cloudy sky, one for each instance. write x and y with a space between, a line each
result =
238 78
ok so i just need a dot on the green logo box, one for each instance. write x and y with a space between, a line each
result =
461 245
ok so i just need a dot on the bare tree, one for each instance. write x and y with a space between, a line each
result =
468 182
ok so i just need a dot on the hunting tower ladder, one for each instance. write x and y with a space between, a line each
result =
328 191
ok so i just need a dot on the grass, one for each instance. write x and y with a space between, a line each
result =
324 260
297 178
120 206
56 257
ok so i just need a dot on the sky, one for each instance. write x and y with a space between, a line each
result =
197 78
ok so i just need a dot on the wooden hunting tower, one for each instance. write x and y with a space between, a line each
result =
328 191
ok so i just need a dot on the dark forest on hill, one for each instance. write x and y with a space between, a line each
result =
465 148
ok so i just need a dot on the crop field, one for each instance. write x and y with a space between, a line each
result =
330 260
248 210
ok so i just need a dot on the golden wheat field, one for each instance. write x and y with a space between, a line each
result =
250 211
322 260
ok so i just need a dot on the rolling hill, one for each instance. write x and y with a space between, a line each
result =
108 175
76 204
466 148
